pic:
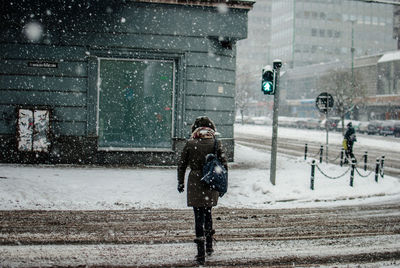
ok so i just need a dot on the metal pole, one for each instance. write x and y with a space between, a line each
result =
365 160
321 153
327 131
353 165
277 66
382 166
377 169
352 51
305 152
341 157
312 175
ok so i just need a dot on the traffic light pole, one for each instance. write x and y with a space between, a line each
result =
327 131
274 144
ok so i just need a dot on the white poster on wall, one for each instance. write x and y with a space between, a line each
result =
33 130
25 130
41 140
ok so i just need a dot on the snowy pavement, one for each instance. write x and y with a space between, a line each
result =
92 188
79 188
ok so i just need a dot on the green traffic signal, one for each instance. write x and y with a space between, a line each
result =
267 87
267 84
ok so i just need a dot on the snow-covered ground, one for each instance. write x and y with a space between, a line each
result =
92 188
336 138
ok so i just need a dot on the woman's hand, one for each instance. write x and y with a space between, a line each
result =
181 187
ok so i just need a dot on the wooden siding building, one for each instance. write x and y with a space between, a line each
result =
115 82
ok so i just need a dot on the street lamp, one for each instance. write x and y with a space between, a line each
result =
352 49
352 20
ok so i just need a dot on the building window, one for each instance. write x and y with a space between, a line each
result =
144 92
367 20
315 15
313 32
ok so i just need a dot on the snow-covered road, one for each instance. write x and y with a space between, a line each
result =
163 238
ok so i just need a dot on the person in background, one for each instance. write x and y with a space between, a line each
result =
349 139
199 195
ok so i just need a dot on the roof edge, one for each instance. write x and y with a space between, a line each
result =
241 4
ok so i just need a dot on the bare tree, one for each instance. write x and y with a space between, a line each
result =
347 89
244 91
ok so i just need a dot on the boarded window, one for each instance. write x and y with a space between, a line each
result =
33 130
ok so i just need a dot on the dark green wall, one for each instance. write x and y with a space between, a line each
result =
199 39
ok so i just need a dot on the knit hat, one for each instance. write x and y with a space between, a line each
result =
203 121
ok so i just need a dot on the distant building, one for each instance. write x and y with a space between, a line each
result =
380 75
254 52
312 33
396 23
115 82
308 32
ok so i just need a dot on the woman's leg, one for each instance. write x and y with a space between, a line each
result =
199 228
199 219
209 232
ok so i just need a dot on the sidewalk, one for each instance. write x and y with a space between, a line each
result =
100 188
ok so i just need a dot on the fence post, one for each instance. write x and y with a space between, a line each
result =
365 160
382 166
341 157
305 152
321 153
312 174
377 169
353 165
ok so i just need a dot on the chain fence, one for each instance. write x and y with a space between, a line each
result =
334 160
344 159
331 177
364 176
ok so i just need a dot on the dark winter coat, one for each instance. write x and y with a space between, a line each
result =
350 135
193 155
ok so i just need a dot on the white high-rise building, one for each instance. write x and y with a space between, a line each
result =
305 32
254 52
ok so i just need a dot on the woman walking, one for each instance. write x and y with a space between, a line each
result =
199 195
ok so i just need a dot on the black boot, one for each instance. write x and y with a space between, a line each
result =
209 242
200 257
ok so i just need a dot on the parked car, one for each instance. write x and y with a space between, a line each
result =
396 131
262 120
387 128
312 123
301 123
346 121
245 120
332 123
285 121
374 127
363 127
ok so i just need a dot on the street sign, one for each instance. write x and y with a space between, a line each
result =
324 102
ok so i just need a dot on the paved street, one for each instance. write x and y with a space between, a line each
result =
162 238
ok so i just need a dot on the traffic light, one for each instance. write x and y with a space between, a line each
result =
268 83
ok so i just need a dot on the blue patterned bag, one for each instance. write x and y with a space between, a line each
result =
214 173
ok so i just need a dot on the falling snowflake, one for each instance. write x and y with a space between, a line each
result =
33 31
222 8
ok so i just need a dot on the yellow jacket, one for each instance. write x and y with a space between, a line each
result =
344 143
